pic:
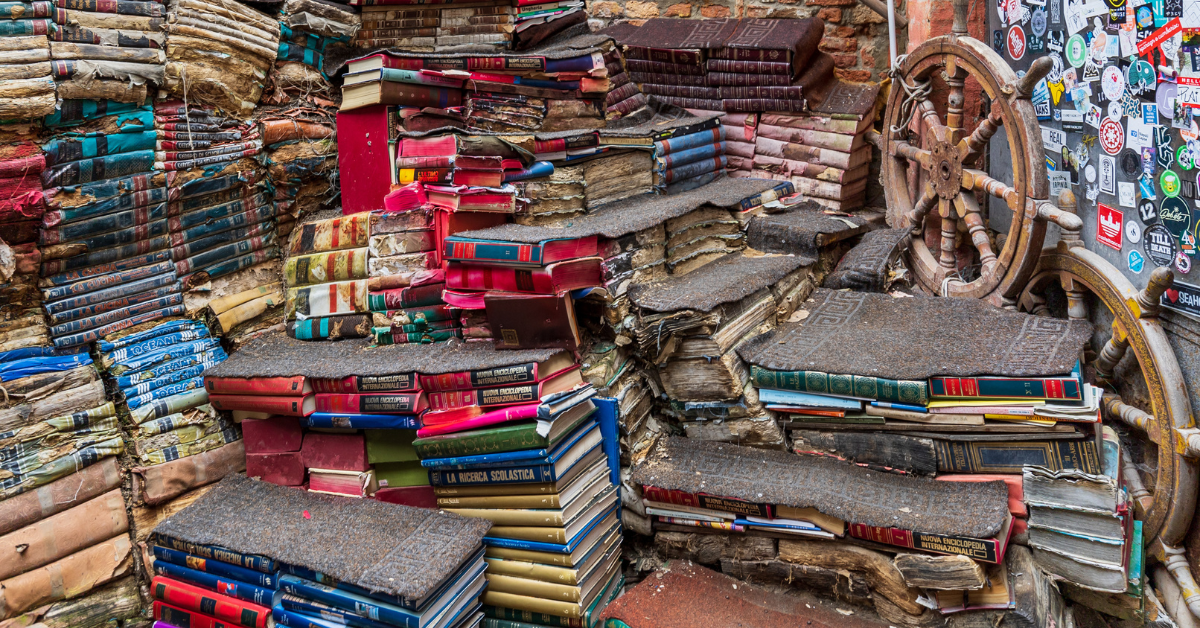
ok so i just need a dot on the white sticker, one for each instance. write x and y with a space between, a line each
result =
1089 173
1053 140
1133 231
1112 83
1128 41
1115 110
1112 47
1139 135
1126 193
1092 117
1108 174
1059 180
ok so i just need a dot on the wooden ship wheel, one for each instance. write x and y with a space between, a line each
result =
930 169
1166 509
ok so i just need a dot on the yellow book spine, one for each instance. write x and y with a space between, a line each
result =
500 501
528 533
532 604
534 571
546 558
503 517
533 588
489 490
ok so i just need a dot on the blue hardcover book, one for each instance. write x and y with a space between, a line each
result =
363 421
309 609
215 567
161 330
225 586
178 370
536 170
38 352
557 548
514 458
372 608
25 367
793 398
218 553
166 361
165 391
470 566
519 474
292 619
607 411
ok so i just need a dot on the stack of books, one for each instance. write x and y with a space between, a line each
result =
740 131
539 471
556 197
531 13
302 163
764 65
273 449
159 373
326 279
666 58
24 204
23 325
403 27
825 156
689 160
204 585
34 96
39 450
309 29
90 64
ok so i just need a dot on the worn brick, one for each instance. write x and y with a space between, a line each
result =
838 44
831 3
641 10
714 10
830 14
842 60
605 8
857 76
682 9
842 31
862 14
868 54
757 12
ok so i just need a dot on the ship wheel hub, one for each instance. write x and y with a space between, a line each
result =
947 172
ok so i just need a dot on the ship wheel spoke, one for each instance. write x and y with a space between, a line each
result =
919 155
968 210
947 259
932 121
916 217
956 79
976 180
971 148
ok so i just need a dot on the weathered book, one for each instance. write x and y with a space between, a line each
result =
509 375
194 598
707 104
1012 457
732 79
341 265
749 67
507 437
398 382
539 254
667 69
915 392
950 573
665 55
668 79
403 298
345 297
767 40
408 403
253 562
505 395
682 91
787 103
331 327
1068 387
986 550
270 386
555 278
283 406
532 321
347 232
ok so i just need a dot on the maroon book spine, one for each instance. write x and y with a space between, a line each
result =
339 452
640 65
621 93
629 105
749 67
751 54
762 91
682 91
667 79
731 78
692 103
664 55
764 104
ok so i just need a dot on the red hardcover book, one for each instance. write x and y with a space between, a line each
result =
501 376
196 599
283 406
403 298
405 199
176 616
481 178
399 382
436 176
711 502
340 452
447 223
364 159
557 278
440 146
532 321
518 253
983 550
567 143
389 60
284 469
462 198
277 434
485 162
391 403
296 386
502 395
437 161
415 496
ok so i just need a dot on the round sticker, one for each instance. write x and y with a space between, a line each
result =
1136 262
1184 156
1112 136
1076 52
1016 43
1147 212
1115 110
1175 215
1131 164
1090 173
1183 263
1159 245
1039 22
1112 83
1139 76
1133 232
1144 16
1165 99
1056 69
1170 183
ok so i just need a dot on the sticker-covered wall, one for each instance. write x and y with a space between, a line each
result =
1117 115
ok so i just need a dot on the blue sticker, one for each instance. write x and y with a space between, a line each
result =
1150 114
1050 164
1136 262
1146 185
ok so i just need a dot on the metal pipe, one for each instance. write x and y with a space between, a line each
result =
891 16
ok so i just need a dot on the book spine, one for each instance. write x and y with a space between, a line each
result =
493 252
695 169
658 67
214 567
463 277
512 475
280 386
682 91
424 162
436 176
749 67
225 586
404 403
674 161
481 443
525 618
744 54
1011 457
179 617
983 550
731 92
686 142
897 391
402 298
484 397
667 79
400 33
692 103
986 388
287 406
399 382
730 78
328 235
363 421
294 612
331 596
724 504
464 380
621 93
629 105
409 76
190 597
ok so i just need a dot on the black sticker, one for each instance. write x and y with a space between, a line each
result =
1159 245
1175 215
998 41
1182 297
1173 8
1147 212
1162 140
1131 163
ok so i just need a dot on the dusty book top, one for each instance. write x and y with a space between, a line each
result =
381 547
834 487
277 355
725 280
799 229
859 333
865 267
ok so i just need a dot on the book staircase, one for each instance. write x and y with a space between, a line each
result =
459 314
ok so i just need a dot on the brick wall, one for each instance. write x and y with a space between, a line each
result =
855 35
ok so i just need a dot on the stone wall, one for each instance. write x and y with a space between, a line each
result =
855 36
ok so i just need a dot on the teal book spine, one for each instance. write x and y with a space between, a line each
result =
912 392
468 250
1012 457
1035 388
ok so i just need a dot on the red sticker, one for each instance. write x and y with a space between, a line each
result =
1108 226
1112 136
1016 43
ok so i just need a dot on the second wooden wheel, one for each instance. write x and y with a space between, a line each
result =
930 170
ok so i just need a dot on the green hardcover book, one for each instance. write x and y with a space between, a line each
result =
514 437
912 392
1137 559
400 474
390 446
1012 457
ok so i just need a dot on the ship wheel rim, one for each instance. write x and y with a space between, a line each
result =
1000 280
1167 521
